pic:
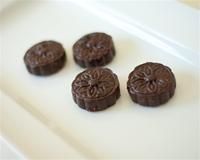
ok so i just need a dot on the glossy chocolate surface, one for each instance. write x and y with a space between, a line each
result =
151 84
95 49
95 89
45 58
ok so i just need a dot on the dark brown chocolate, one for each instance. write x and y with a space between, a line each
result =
151 84
95 49
96 89
45 58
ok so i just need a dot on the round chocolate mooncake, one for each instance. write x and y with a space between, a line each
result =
151 84
96 89
92 50
45 58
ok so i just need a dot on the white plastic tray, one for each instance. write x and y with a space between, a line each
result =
40 116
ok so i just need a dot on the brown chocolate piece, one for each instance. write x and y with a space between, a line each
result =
95 49
96 89
151 84
45 58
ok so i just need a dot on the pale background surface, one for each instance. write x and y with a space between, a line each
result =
7 152
47 138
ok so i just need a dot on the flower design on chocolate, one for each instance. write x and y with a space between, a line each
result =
149 78
94 83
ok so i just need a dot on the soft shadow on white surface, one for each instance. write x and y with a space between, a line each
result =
4 4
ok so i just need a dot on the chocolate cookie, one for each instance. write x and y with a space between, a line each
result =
96 89
151 84
95 49
45 58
